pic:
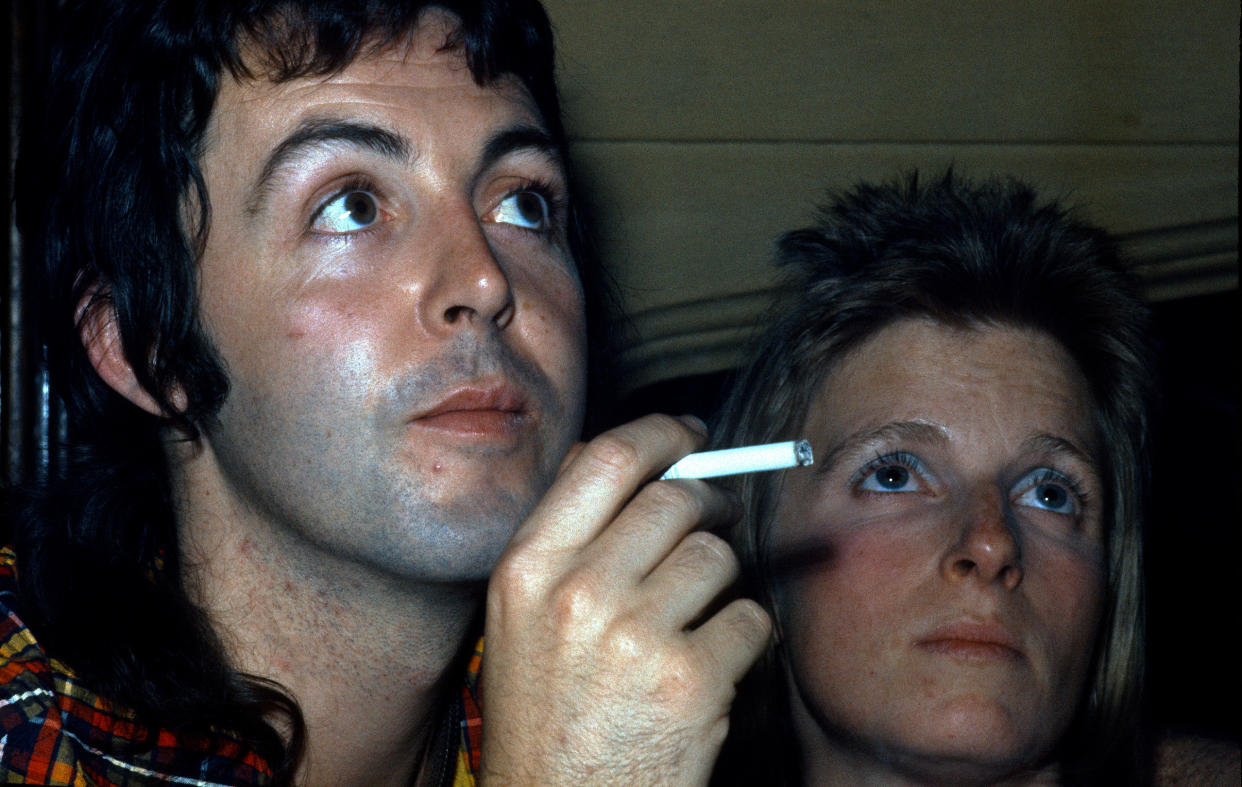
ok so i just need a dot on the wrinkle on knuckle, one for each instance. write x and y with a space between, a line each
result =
626 643
576 599
614 454
514 579
703 551
674 497
665 422
751 622
681 682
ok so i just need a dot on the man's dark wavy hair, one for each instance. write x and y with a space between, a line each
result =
967 255
114 213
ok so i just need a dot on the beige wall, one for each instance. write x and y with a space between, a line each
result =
706 128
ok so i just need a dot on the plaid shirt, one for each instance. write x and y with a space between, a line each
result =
54 730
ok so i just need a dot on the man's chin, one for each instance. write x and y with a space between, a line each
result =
458 538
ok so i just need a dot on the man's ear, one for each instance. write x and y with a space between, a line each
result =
101 337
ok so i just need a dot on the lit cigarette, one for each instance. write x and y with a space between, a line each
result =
748 459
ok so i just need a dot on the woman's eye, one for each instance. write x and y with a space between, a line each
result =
888 479
1048 490
890 474
350 212
525 209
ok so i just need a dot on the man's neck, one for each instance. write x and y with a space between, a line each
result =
370 658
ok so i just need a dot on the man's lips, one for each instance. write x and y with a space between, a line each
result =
970 641
480 411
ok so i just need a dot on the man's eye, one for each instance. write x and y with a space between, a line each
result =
1048 490
350 212
525 209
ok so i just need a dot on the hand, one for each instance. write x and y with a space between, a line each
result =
605 662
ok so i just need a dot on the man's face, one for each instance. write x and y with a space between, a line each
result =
944 559
388 283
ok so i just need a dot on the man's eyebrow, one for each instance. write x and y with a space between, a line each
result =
521 138
905 431
321 132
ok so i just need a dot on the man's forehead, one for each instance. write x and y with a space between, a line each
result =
431 56
284 51
394 70
380 86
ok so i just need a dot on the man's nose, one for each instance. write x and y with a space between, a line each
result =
468 286
986 549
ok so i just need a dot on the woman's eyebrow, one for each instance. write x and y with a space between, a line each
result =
317 133
1045 443
917 432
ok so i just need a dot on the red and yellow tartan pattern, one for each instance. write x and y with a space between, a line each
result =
471 722
55 731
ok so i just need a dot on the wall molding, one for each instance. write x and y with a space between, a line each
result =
709 335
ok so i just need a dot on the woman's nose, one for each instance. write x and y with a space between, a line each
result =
986 549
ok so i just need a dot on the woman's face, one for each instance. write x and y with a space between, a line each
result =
939 571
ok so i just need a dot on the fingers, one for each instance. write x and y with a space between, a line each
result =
733 639
688 581
569 457
597 621
656 520
553 551
601 478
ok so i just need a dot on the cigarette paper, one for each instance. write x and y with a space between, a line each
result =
748 459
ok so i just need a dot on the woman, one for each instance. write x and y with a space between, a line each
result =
957 581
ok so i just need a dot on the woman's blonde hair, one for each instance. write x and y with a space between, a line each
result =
964 255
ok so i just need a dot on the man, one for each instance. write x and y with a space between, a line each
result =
312 292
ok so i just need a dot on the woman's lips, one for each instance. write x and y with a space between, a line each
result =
973 642
486 412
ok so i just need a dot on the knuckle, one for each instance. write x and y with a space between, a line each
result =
751 623
513 579
615 454
576 599
664 423
675 496
681 679
627 644
703 551
514 587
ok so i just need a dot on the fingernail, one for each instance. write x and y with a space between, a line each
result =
695 423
